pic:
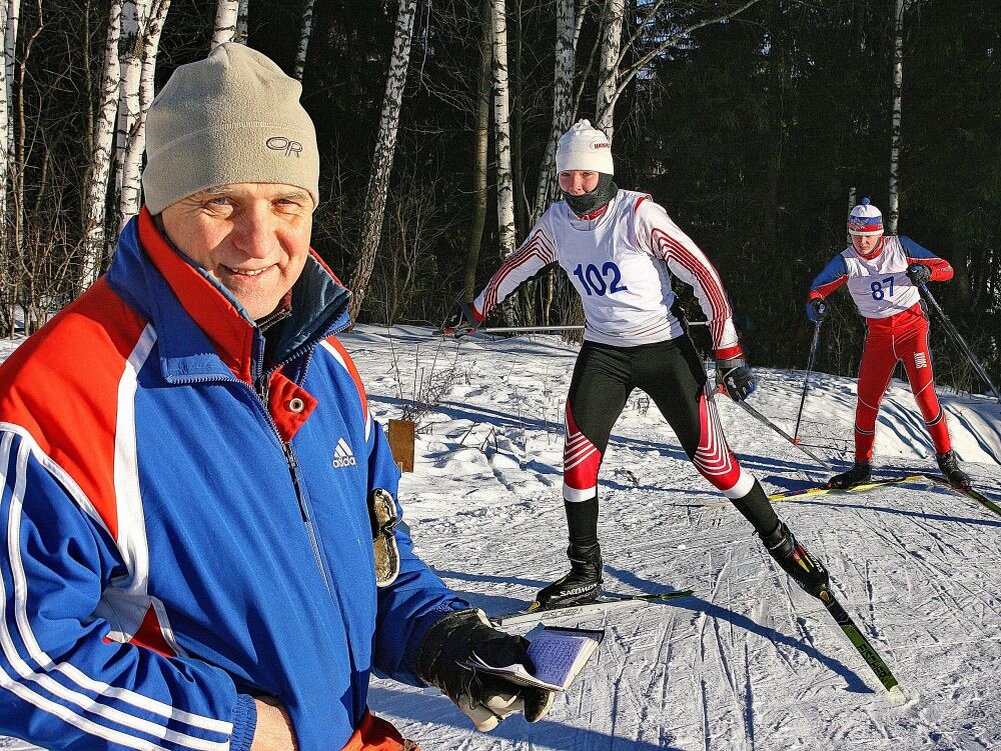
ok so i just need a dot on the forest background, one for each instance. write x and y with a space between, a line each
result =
757 124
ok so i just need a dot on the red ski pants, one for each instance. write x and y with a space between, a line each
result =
901 337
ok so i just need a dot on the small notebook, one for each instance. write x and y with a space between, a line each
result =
558 654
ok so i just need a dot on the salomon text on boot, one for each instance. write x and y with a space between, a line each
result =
581 585
859 474
794 559
949 464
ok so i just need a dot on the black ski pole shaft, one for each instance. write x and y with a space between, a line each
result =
960 342
768 423
806 381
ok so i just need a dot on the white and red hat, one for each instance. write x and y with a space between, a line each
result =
865 220
584 148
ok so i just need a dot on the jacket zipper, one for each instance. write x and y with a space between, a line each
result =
293 469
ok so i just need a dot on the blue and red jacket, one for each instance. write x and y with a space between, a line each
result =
878 282
184 529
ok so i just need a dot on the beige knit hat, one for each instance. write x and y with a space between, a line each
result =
233 117
584 148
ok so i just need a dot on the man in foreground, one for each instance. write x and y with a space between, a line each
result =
199 548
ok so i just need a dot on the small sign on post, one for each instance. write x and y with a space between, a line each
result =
401 443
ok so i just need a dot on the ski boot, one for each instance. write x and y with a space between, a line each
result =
949 465
794 559
581 585
860 473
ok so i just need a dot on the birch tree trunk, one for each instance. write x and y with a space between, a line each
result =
304 34
502 133
382 163
134 14
10 18
241 22
5 133
562 104
608 71
96 190
13 12
226 14
131 200
481 153
898 76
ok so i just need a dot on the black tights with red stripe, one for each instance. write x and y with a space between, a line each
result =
672 374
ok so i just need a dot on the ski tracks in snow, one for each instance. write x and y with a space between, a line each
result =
750 662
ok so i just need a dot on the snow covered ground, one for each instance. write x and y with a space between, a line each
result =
749 661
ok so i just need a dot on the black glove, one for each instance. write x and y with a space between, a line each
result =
919 274
816 310
734 375
461 320
486 699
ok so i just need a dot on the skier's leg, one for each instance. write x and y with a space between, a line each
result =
675 379
598 392
673 375
918 364
878 359
916 354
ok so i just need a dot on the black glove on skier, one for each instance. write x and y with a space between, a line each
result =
816 310
919 274
462 320
486 699
734 375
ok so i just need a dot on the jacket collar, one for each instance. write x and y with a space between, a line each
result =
203 332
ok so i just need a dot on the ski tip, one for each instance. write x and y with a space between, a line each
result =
899 696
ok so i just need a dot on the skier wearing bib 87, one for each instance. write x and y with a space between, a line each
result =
620 250
883 274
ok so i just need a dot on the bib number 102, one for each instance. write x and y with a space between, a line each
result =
605 281
882 288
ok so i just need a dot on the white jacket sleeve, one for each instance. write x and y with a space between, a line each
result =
659 235
535 254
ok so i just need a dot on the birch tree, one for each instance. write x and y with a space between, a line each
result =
898 76
241 22
134 14
304 33
661 43
226 14
502 133
382 163
608 71
96 190
13 13
5 131
131 196
563 112
481 152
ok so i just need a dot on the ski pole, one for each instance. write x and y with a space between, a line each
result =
769 424
806 382
951 330
539 329
530 329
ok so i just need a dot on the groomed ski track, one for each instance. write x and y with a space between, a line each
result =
750 661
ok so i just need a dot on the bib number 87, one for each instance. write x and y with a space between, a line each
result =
594 281
882 288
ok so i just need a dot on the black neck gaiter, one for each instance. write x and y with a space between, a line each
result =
603 192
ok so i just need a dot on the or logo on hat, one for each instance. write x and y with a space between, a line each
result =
601 145
280 143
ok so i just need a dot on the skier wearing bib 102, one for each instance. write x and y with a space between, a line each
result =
620 250
883 274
